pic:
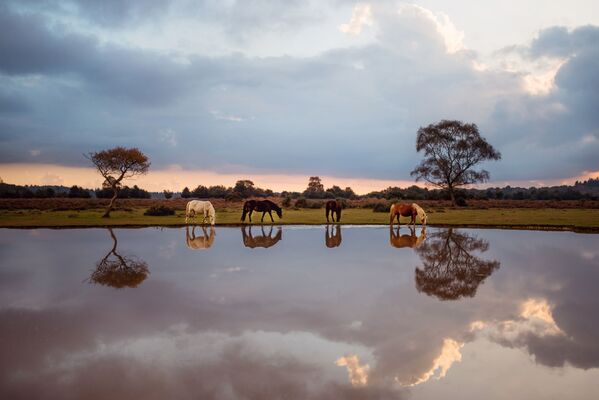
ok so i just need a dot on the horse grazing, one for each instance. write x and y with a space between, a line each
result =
195 207
333 238
199 242
411 240
407 210
334 207
265 206
264 241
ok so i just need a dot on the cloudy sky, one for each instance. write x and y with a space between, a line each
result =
276 91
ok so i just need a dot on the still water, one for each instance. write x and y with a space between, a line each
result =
298 313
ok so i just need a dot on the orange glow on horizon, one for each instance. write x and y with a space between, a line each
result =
176 178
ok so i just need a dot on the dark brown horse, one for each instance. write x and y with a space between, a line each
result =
264 241
333 238
264 206
334 207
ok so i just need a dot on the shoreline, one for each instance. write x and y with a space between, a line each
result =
529 227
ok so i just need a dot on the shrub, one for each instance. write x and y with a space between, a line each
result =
315 204
301 202
159 211
461 202
286 201
381 207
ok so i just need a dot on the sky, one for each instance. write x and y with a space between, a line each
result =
277 91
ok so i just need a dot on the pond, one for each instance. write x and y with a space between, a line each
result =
299 313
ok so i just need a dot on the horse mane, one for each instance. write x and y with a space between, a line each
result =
420 212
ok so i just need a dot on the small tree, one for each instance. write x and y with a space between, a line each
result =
451 150
117 164
185 194
315 188
167 194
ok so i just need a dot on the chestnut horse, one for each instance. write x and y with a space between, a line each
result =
410 240
266 206
334 207
407 210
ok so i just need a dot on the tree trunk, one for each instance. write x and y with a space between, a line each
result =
452 196
112 201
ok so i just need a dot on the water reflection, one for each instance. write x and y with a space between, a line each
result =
410 240
263 240
298 322
449 270
332 238
204 241
119 271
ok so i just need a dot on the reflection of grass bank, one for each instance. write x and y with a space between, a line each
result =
514 217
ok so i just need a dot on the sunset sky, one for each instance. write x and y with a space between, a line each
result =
275 91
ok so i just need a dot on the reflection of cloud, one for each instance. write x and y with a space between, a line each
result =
536 319
358 374
450 353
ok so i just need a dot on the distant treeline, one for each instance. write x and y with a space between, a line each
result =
243 189
9 191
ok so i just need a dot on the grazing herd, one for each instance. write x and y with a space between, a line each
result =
332 207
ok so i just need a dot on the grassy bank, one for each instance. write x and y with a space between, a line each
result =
543 218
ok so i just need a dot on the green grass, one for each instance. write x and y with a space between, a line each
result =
583 219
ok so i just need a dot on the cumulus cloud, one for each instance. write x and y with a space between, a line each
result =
361 17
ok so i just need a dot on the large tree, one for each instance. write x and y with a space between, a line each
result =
451 151
117 164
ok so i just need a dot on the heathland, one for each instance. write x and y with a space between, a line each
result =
578 215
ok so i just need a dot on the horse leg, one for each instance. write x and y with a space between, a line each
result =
251 211
263 213
270 213
327 214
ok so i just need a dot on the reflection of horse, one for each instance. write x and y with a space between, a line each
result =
334 207
410 240
333 239
407 210
199 242
265 206
205 208
260 241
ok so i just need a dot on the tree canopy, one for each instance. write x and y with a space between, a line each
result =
117 164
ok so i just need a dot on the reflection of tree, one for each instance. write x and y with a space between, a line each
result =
260 241
119 271
333 238
449 270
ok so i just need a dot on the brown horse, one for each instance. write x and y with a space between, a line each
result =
333 238
407 210
334 207
411 240
266 206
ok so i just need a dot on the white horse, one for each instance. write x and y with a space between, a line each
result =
200 207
